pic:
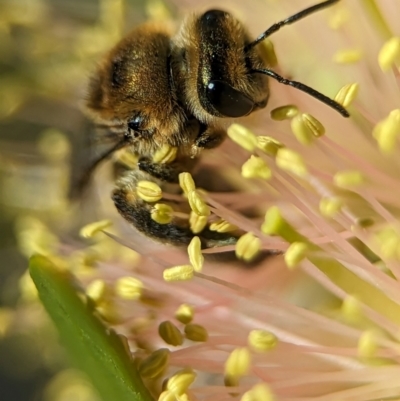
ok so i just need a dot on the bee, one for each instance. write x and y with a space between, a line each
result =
156 88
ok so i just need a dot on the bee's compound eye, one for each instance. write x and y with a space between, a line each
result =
228 101
135 123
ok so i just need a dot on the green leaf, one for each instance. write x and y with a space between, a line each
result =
96 350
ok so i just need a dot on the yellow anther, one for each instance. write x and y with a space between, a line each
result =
90 230
351 308
127 158
284 112
197 204
184 313
389 241
197 223
186 182
348 56
6 319
54 145
155 364
149 191
262 340
248 247
347 94
367 344
222 226
166 154
274 222
128 288
387 131
170 333
243 137
389 54
255 167
238 362
108 312
196 332
330 206
195 256
179 273
305 127
180 382
348 179
162 213
338 18
167 396
269 145
96 290
269 55
291 161
296 252
260 392
27 287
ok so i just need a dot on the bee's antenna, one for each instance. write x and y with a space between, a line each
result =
290 20
298 85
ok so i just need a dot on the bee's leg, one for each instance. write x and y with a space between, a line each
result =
167 172
210 137
138 212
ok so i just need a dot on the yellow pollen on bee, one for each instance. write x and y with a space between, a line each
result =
262 340
180 382
195 256
162 213
284 112
128 288
243 137
291 161
170 333
347 94
186 182
348 56
96 290
179 273
295 254
184 313
389 55
367 344
238 363
149 191
348 179
328 207
387 131
259 392
166 154
222 226
248 247
197 223
155 364
196 332
255 167
90 230
269 145
197 204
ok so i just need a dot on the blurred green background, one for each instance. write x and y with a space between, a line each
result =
47 50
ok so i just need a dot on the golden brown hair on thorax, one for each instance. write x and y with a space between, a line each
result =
132 86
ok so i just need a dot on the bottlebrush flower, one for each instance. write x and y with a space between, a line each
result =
322 322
